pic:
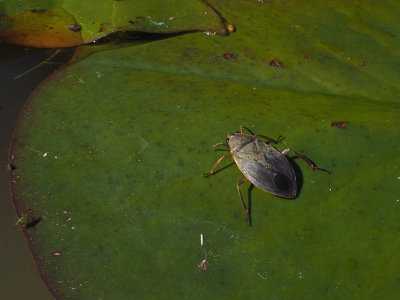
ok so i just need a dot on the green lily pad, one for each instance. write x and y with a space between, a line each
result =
40 28
71 22
109 152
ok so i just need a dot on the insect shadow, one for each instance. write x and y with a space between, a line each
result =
33 223
249 190
298 172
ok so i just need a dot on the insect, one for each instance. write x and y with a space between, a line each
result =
28 222
261 164
23 220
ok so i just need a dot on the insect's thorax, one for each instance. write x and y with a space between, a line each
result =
239 142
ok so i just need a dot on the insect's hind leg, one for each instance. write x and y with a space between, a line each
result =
243 180
308 161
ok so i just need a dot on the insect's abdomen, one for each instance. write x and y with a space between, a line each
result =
268 170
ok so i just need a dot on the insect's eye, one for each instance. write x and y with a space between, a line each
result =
227 140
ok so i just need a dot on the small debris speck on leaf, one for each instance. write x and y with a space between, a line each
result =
340 124
275 63
231 27
229 55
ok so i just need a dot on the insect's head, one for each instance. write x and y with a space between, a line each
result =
232 140
238 140
231 135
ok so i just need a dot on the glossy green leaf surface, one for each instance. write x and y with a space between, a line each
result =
66 23
110 151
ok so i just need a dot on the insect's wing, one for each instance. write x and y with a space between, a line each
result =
267 169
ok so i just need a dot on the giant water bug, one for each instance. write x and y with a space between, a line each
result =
263 165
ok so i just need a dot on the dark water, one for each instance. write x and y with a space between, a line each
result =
20 278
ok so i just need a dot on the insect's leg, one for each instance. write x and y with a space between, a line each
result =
241 197
280 138
220 144
308 161
241 129
216 165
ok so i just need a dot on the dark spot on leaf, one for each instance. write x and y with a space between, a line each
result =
274 63
340 124
229 55
38 11
74 27
136 20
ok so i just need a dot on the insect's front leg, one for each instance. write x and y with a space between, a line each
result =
220 144
308 161
216 165
279 139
